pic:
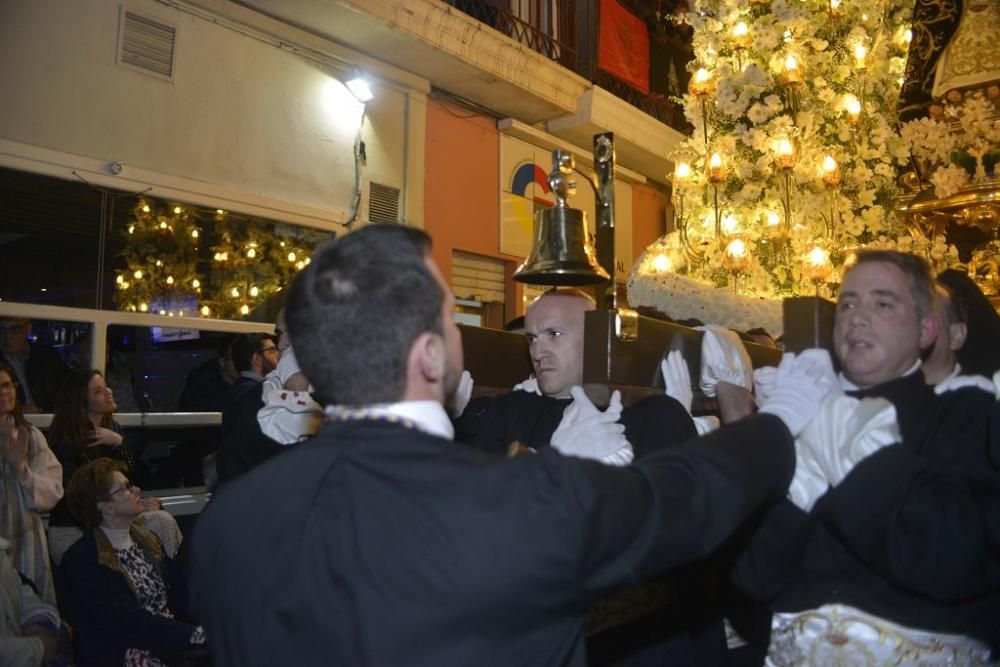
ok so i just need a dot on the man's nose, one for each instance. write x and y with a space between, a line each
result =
859 316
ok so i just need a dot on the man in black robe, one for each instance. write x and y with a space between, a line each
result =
380 541
910 534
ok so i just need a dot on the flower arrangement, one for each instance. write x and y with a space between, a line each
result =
794 153
959 147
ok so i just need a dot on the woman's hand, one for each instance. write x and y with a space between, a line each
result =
105 436
151 504
15 451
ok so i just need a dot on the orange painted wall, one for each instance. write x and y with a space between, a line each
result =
649 207
462 185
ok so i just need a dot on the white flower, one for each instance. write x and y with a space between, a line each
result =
948 180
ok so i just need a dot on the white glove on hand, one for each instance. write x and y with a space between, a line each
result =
530 386
763 382
462 395
801 384
960 381
588 433
723 359
677 379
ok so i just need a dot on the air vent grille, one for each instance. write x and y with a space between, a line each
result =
147 45
383 203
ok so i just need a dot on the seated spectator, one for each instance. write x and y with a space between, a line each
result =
83 429
207 384
122 583
30 483
242 444
28 626
38 369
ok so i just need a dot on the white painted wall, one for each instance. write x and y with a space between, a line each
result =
242 119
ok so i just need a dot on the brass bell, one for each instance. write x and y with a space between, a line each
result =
561 254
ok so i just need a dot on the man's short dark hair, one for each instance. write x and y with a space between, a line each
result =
356 310
913 266
247 345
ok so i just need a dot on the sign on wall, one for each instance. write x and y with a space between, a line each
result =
524 190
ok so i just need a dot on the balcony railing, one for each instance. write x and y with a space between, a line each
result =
537 39
660 108
552 31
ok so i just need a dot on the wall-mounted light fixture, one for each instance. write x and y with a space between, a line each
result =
358 85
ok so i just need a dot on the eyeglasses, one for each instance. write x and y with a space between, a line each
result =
265 350
127 487
7 387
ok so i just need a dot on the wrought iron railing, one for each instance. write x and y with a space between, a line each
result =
563 51
517 29
659 107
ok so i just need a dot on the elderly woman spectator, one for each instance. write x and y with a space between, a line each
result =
84 429
30 483
28 626
120 579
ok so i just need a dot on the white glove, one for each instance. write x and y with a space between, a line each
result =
588 433
530 386
723 359
960 381
763 382
705 424
462 394
844 431
800 386
677 381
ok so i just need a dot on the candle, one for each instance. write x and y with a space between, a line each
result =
701 83
662 263
860 56
792 73
831 172
736 257
853 107
716 170
682 172
786 154
741 34
817 265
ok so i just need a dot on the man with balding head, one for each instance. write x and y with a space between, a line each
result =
554 330
901 541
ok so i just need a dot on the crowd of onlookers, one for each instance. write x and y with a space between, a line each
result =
93 571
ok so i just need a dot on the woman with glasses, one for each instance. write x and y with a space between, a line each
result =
30 483
84 429
121 584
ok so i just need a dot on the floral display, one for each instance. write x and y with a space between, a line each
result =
960 146
183 261
794 157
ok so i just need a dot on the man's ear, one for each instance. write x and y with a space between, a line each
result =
928 331
959 331
428 356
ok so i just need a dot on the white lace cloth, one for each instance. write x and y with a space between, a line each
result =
837 635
